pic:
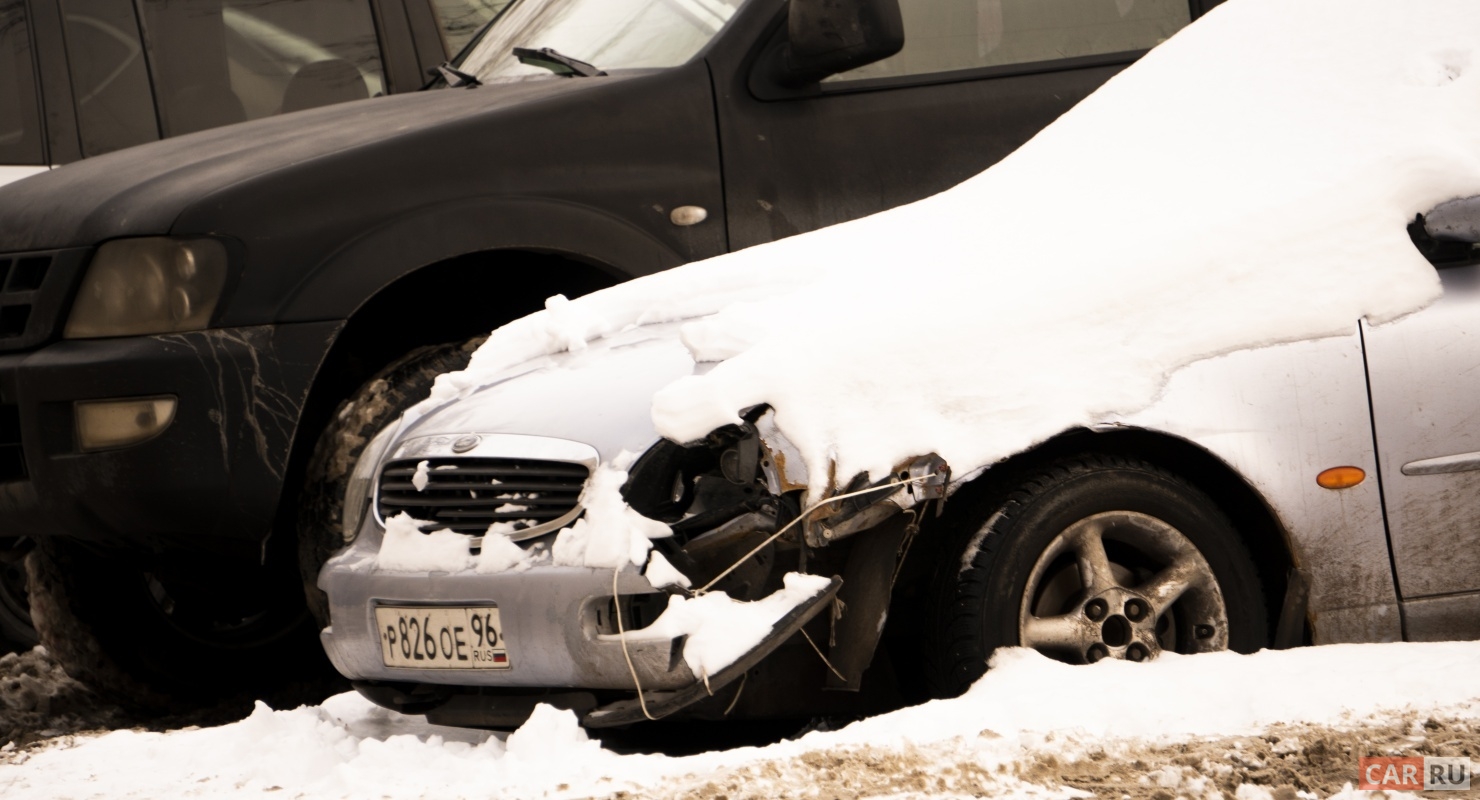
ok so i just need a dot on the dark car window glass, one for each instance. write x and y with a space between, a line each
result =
947 35
610 34
20 124
216 62
460 19
110 83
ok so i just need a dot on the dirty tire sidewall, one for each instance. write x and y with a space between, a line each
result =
997 538
400 385
98 618
17 631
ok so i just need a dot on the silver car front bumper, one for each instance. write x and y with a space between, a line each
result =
551 618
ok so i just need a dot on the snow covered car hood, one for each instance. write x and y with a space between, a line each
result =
599 395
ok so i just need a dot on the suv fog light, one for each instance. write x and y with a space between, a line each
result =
107 424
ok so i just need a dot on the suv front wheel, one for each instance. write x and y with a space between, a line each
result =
161 639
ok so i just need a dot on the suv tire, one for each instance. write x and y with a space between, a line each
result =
405 382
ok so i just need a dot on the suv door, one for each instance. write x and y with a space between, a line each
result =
975 80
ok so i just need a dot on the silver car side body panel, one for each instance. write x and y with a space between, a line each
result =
1279 416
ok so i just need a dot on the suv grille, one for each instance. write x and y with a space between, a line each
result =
32 287
526 497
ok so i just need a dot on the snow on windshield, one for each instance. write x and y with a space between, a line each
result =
1246 183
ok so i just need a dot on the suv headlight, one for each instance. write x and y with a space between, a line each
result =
143 286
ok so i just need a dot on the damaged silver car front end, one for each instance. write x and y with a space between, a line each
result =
481 648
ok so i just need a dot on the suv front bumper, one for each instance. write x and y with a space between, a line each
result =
209 481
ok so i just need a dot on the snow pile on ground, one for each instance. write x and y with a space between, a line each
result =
1030 728
721 629
1246 183
39 700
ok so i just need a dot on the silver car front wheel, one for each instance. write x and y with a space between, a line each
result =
1087 558
1159 593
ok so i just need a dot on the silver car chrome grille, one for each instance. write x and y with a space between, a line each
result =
526 497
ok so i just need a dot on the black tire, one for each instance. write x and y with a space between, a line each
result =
404 383
17 632
1002 541
172 638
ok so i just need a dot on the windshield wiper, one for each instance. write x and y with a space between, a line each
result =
456 77
557 62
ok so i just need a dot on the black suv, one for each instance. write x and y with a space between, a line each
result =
198 335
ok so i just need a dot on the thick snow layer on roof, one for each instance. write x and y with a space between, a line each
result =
1246 183
1027 707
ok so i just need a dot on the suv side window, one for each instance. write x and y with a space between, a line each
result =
110 84
460 19
20 122
216 62
949 35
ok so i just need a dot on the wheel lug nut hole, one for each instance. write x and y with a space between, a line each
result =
1096 609
1203 631
1135 610
1136 653
1116 632
1095 653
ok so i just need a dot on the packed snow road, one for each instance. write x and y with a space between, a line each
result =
1270 725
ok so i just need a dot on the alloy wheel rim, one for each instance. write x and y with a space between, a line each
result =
1122 585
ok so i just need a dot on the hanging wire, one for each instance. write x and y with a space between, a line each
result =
819 504
622 634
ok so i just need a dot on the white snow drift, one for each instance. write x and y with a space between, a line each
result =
350 749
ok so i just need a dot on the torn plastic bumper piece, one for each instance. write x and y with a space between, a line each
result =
661 704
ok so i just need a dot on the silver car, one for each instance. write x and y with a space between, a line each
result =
1315 492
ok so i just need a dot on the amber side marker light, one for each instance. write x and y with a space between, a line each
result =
1341 477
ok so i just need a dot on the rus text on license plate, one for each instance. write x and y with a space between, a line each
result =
441 638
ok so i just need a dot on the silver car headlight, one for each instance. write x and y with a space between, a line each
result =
362 481
145 286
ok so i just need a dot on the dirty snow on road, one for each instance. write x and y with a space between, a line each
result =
1192 726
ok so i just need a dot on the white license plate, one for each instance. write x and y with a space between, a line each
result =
441 638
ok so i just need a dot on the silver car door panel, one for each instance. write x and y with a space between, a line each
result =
1425 376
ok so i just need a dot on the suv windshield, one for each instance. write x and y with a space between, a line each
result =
610 34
